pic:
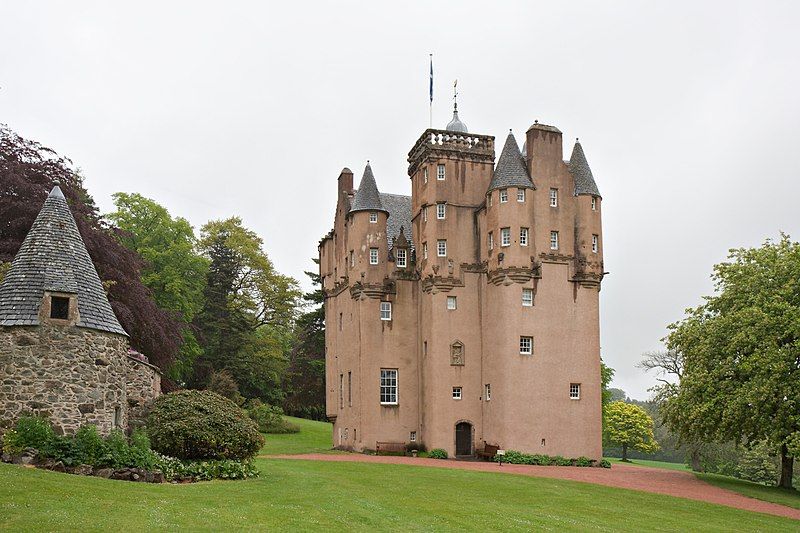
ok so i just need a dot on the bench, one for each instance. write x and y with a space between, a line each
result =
390 447
488 451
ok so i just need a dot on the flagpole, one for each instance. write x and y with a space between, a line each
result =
430 110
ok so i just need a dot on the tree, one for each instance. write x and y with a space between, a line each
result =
741 354
629 426
606 375
28 172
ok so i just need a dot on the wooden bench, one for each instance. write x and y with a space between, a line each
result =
390 447
488 451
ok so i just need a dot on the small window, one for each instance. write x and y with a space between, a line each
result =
491 240
487 392
424 347
527 297
340 321
388 386
117 417
594 203
425 213
503 196
451 302
341 391
424 250
386 310
595 243
574 391
523 236
440 172
526 345
412 436
59 307
373 256
505 236
441 211
425 174
373 218
520 195
350 388
456 393
554 240
441 248
402 254
352 259
553 197
489 199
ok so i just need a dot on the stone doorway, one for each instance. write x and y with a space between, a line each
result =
463 439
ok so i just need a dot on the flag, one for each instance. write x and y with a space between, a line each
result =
431 84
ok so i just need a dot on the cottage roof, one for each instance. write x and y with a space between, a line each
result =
511 170
54 258
367 197
581 173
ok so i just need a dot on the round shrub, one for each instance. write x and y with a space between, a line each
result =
437 453
192 424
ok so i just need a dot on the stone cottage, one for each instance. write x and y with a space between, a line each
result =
63 353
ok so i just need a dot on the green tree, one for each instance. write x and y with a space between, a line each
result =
741 354
629 426
606 375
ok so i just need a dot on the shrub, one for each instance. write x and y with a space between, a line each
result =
583 461
437 453
28 432
418 446
222 383
559 460
605 463
193 424
269 419
89 446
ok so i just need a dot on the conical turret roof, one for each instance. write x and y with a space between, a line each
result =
367 197
53 257
581 173
511 170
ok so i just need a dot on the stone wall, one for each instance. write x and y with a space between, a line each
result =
144 385
73 375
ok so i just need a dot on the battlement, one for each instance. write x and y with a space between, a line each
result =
443 143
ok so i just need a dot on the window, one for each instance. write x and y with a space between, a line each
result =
59 307
424 250
425 174
526 345
503 196
520 195
456 393
388 386
505 236
352 259
441 211
402 254
424 347
595 244
491 240
451 302
373 256
340 322
554 240
553 197
594 203
487 392
425 213
117 417
373 218
341 391
523 236
527 297
441 248
386 310
574 391
412 436
350 388
489 199
440 172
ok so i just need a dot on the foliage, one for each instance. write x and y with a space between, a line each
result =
741 376
437 453
28 172
29 432
194 424
629 426
604 463
222 382
606 375
518 458
269 418
757 463
175 469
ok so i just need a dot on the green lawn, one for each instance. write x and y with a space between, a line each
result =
652 464
754 490
314 437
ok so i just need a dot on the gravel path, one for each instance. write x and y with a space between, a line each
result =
656 480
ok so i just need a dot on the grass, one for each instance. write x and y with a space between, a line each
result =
790 498
651 464
314 437
312 495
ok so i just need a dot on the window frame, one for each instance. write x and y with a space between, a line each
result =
487 391
594 203
441 210
392 386
441 247
373 217
553 240
425 174
412 436
553 197
523 236
373 256
503 196
574 391
525 343
527 291
491 240
386 311
455 303
440 172
402 258
521 196
457 393
505 237
595 243
424 213
425 250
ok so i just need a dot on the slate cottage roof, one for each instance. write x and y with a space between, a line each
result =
53 257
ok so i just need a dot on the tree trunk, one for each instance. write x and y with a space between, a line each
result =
696 460
624 452
787 466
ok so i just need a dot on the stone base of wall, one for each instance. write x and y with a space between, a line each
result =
144 386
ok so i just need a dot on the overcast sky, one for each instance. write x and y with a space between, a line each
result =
688 113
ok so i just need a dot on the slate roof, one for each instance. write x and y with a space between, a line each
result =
367 198
511 170
399 208
53 257
581 173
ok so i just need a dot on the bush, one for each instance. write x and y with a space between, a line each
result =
418 446
437 453
583 461
222 383
605 463
519 458
29 432
193 424
269 418
558 460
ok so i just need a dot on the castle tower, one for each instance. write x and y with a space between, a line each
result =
60 343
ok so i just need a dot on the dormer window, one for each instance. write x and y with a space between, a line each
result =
440 172
373 218
59 307
503 196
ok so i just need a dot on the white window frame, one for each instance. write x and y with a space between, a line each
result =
523 236
425 213
594 203
574 391
425 174
457 393
525 345
424 250
505 237
352 258
441 210
491 240
595 243
452 303
386 310
527 297
553 197
521 195
554 240
441 247
373 256
440 172
503 196
389 386
402 258
373 217
412 437
487 391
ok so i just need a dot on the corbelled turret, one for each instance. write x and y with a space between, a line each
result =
579 168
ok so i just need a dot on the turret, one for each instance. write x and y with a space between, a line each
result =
367 245
588 227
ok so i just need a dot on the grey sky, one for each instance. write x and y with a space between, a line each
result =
688 113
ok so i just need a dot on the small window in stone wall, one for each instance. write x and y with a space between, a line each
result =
457 354
117 417
59 307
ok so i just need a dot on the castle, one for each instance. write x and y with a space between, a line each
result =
467 313
63 353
